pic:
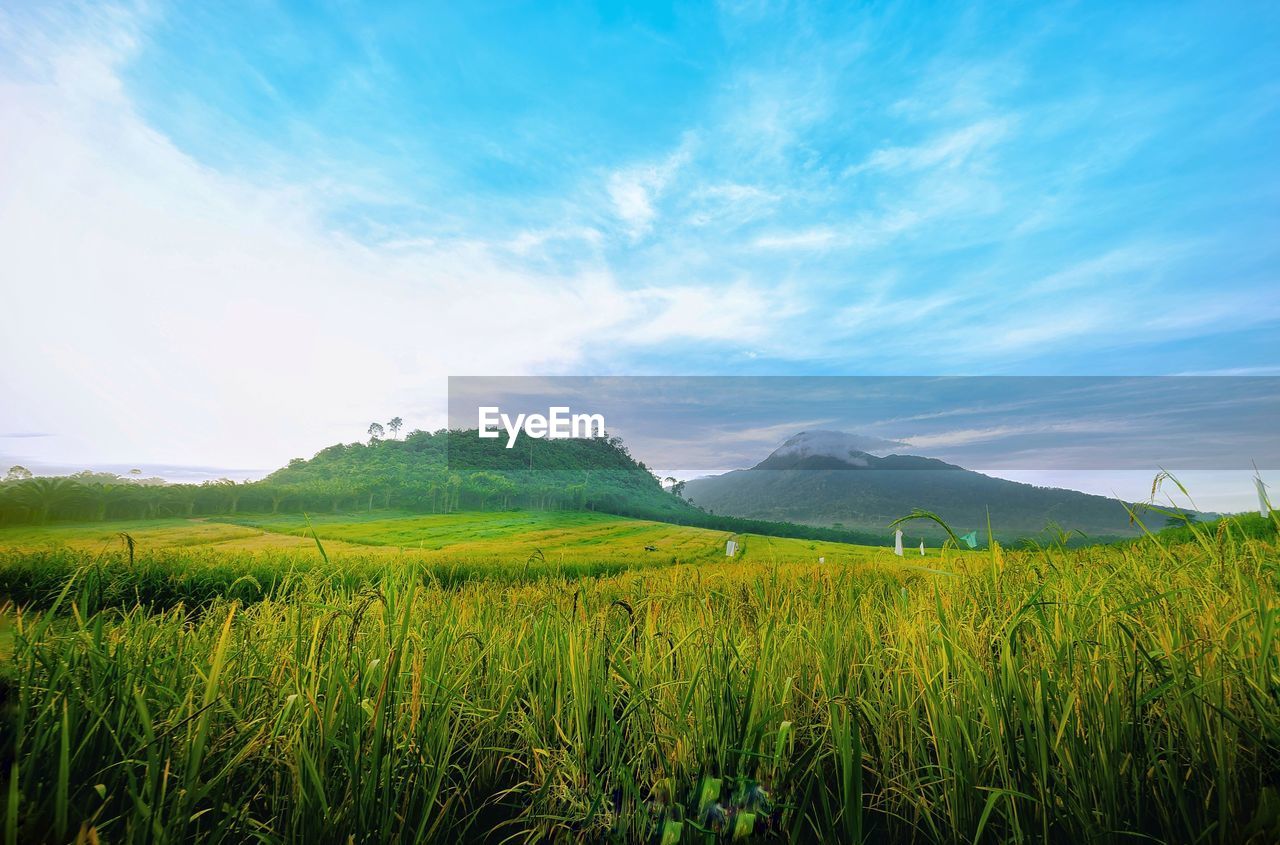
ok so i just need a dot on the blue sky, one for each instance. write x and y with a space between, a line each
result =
236 233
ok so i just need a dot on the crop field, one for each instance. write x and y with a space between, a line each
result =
504 537
522 677
559 536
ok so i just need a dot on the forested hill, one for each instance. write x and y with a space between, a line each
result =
454 470
416 473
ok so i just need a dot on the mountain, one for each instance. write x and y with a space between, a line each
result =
827 478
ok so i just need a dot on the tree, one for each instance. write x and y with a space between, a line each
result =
281 493
233 492
453 492
151 499
577 494
183 495
375 432
17 473
333 491
227 493
395 425
380 486
42 495
103 496
487 486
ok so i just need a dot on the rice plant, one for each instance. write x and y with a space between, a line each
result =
1105 694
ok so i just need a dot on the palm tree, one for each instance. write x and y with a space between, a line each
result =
280 493
395 425
332 491
183 495
42 495
453 493
231 493
152 498
103 496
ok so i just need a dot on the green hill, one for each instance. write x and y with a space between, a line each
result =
416 474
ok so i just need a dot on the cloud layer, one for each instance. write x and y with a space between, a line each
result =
230 239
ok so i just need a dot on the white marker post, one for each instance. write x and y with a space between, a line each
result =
897 542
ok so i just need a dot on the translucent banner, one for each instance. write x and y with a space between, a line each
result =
697 424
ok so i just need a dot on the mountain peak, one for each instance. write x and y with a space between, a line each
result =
821 449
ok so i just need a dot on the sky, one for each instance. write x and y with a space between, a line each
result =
231 235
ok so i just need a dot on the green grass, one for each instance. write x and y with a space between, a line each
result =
1107 694
508 536
192 562
500 539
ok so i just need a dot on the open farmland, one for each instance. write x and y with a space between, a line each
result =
365 693
502 538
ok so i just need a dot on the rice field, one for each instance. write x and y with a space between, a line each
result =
514 678
497 537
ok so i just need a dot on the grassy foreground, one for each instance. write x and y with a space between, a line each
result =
1109 694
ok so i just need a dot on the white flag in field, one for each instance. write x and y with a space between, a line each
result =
922 548
729 548
1264 507
897 542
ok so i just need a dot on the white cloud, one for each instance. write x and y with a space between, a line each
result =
730 204
738 313
947 150
1120 265
162 311
635 189
987 434
815 238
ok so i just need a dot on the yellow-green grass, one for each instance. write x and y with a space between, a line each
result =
504 538
95 537
1107 694
570 536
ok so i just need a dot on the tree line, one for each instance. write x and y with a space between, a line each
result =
67 498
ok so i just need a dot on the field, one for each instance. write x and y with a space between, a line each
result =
502 538
512 677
